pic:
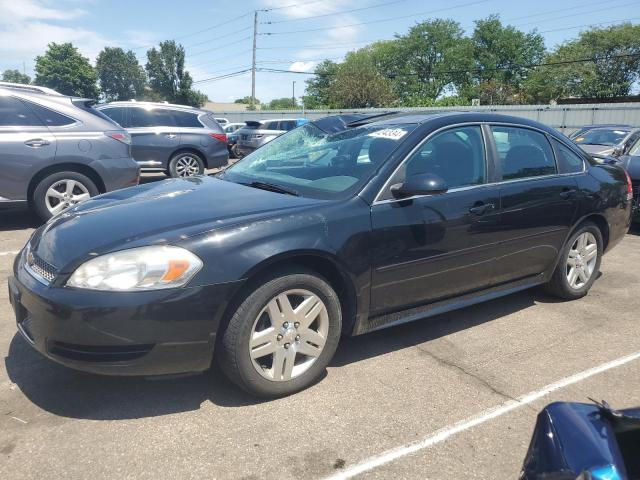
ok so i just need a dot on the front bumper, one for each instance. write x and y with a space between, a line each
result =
114 333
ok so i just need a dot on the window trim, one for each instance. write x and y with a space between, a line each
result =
490 151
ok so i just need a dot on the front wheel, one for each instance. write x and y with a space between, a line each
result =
579 263
282 336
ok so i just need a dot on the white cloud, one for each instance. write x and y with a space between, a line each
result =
302 66
27 26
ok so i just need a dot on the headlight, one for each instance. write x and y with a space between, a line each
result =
144 268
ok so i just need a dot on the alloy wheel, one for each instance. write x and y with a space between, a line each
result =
288 335
64 194
582 260
187 166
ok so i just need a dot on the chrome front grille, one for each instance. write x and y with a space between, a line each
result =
40 269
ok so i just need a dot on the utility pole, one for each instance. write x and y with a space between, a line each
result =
253 62
293 95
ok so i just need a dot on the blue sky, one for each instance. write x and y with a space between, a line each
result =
217 34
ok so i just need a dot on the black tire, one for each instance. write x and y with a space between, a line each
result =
232 351
559 284
177 168
39 198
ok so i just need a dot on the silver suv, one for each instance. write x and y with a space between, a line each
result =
255 134
56 151
179 140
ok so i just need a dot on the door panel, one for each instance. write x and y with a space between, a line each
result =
537 204
151 141
433 247
26 144
535 218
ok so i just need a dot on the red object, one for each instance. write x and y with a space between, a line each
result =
219 136
629 186
120 136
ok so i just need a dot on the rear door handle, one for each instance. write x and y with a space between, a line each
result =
481 208
36 143
567 193
171 135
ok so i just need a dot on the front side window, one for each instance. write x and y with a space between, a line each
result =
15 113
568 161
523 152
319 164
456 155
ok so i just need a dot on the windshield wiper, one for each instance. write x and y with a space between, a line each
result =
272 188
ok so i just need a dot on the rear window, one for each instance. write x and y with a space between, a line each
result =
186 119
271 126
86 106
288 125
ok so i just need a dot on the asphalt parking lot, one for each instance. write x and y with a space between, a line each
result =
390 405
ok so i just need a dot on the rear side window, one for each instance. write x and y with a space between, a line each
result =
523 153
287 125
456 155
51 118
271 126
568 161
117 114
186 119
15 113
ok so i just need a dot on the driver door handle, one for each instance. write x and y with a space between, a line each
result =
36 143
171 135
481 208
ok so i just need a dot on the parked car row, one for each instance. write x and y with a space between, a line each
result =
615 143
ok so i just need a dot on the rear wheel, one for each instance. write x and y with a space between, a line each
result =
579 264
186 164
60 191
282 336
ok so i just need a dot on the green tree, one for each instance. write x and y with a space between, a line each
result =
600 63
318 88
433 58
359 84
121 76
65 70
285 103
167 76
245 100
502 54
15 76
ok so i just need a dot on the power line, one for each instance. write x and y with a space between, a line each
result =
300 4
223 77
378 5
219 37
590 25
316 47
218 47
578 13
217 59
390 19
199 31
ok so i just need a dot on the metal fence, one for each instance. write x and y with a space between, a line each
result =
565 118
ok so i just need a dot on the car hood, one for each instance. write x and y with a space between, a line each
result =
599 150
160 212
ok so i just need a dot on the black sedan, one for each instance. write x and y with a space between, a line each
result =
342 226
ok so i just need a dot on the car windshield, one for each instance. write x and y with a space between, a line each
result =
602 136
314 163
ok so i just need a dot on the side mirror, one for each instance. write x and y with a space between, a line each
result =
419 184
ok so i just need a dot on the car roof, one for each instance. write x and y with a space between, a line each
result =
457 115
171 106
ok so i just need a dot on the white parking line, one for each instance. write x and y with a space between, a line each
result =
10 252
446 432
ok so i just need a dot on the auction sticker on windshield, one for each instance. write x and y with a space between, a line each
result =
390 133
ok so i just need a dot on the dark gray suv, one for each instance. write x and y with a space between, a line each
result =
179 140
56 151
